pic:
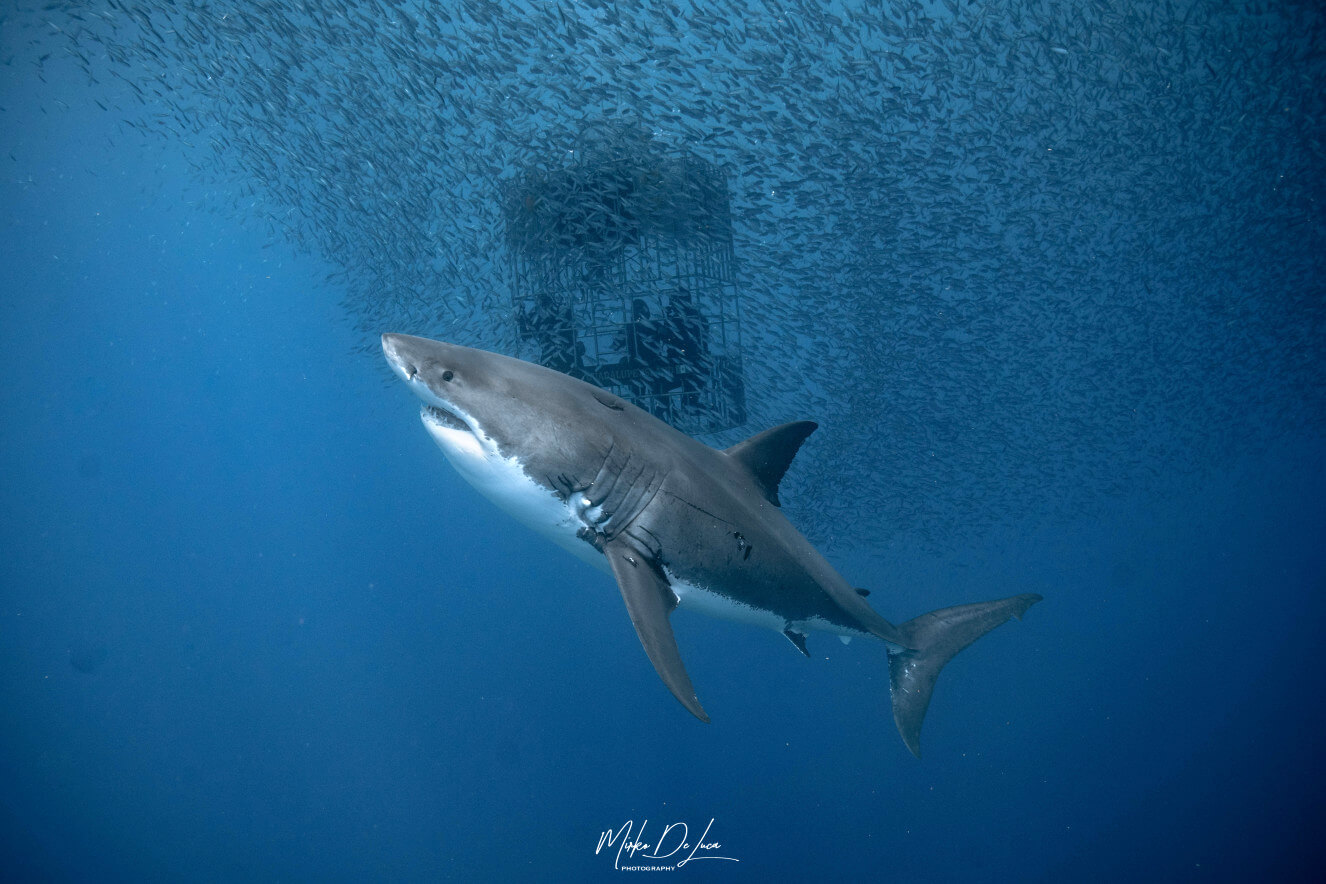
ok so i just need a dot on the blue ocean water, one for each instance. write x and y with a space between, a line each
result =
254 627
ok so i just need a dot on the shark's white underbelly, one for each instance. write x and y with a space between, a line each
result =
504 481
706 601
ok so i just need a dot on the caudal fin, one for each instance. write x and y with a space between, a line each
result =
931 641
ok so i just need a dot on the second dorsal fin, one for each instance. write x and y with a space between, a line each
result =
767 455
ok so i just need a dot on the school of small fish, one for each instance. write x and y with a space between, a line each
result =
1013 256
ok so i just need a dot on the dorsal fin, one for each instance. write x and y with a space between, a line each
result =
767 455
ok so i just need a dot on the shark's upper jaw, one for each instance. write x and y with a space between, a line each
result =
437 411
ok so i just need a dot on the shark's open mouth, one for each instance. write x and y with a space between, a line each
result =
445 418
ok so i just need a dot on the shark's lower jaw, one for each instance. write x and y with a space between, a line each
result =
505 482
454 436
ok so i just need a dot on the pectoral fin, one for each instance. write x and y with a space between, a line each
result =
649 601
798 639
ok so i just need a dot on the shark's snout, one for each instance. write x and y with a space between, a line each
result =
392 347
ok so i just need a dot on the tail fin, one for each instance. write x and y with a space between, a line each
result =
931 641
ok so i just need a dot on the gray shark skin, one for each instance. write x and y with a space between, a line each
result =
674 521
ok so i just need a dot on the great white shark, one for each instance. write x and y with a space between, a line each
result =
676 522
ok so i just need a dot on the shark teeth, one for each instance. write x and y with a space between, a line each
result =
445 418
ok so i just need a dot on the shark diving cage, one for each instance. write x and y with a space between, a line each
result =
624 275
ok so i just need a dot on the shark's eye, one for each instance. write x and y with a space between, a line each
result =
448 375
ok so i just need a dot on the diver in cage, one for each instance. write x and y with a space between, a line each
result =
647 370
686 332
551 327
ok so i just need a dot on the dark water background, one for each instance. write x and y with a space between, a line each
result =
253 627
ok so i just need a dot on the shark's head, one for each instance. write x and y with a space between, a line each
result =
481 406
454 386
509 427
